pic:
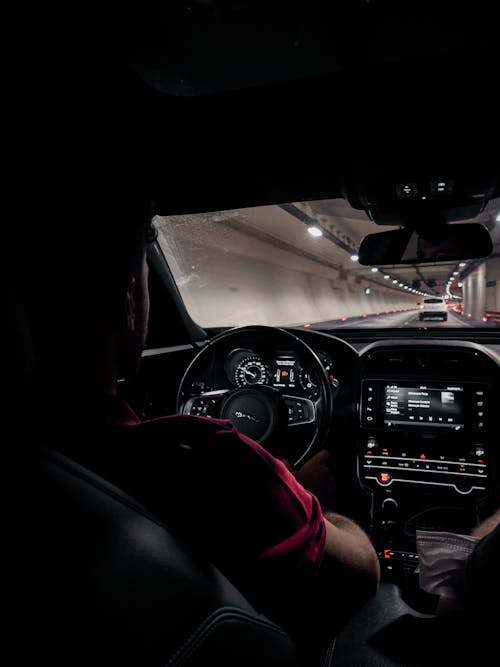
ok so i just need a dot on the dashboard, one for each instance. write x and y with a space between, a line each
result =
412 424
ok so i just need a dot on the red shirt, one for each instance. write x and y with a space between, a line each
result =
224 493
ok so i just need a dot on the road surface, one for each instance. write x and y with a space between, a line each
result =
405 320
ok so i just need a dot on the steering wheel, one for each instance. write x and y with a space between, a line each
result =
285 422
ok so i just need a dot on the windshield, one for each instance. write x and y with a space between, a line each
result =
296 265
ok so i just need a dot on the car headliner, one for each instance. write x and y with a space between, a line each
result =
243 103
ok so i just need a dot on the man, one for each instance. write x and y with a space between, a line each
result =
284 546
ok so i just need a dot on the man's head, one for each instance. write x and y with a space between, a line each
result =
86 281
84 211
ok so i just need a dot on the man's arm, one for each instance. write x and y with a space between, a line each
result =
349 573
350 566
486 525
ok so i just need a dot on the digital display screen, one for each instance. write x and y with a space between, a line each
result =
441 407
285 372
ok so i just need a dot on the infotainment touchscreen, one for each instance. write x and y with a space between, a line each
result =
438 406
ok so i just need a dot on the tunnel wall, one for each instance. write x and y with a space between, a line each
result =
493 284
481 289
231 290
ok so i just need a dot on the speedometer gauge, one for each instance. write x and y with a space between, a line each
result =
249 371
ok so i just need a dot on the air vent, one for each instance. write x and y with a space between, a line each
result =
420 360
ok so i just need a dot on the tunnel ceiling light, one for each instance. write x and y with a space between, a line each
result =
354 258
498 217
460 284
387 276
314 230
367 290
401 284
374 269
462 264
394 281
455 273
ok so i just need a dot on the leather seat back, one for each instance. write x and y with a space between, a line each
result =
108 584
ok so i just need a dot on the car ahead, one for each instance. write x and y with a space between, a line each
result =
269 166
433 307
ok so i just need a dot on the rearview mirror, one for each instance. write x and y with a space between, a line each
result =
438 244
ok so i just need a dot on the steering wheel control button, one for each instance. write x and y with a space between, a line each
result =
299 410
203 407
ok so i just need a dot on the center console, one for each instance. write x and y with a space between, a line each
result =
426 449
424 433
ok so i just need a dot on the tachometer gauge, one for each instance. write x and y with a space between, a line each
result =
251 370
307 384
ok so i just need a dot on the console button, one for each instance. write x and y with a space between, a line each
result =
384 478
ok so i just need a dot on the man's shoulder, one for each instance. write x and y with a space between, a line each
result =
187 424
217 438
195 432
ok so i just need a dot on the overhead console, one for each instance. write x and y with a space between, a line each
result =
427 447
401 191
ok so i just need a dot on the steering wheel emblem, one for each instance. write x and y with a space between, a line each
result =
243 415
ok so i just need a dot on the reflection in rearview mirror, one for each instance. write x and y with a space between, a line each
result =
439 244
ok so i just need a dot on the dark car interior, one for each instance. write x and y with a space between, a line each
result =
240 104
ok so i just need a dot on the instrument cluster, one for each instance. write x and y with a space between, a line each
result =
283 370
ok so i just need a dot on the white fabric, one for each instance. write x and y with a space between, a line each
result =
442 559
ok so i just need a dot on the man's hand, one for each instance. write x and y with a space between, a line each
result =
316 477
486 525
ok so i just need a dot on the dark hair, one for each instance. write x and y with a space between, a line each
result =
80 249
